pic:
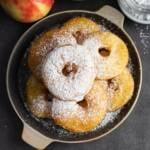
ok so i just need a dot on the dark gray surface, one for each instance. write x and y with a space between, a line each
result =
134 134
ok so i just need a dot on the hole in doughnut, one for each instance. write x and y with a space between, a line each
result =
83 103
69 69
104 52
79 37
113 84
50 97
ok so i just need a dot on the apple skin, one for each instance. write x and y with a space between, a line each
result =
27 11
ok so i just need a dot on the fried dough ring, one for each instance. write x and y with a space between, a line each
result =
44 44
67 74
111 54
79 27
85 115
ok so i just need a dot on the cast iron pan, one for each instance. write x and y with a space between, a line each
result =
41 132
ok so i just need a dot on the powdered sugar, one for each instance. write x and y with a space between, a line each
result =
103 28
144 34
116 58
130 66
92 43
44 44
62 108
81 24
39 104
56 39
43 48
74 86
109 118
64 38
68 109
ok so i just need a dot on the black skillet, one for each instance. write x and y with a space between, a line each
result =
41 132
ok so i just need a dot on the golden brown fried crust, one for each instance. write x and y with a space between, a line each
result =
90 113
45 43
104 96
38 50
37 98
113 55
80 27
121 90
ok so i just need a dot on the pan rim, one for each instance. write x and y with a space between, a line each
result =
77 141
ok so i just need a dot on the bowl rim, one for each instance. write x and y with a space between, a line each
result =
80 141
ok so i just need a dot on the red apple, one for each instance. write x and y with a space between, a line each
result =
27 10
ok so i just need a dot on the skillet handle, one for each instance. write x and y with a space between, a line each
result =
34 138
112 14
